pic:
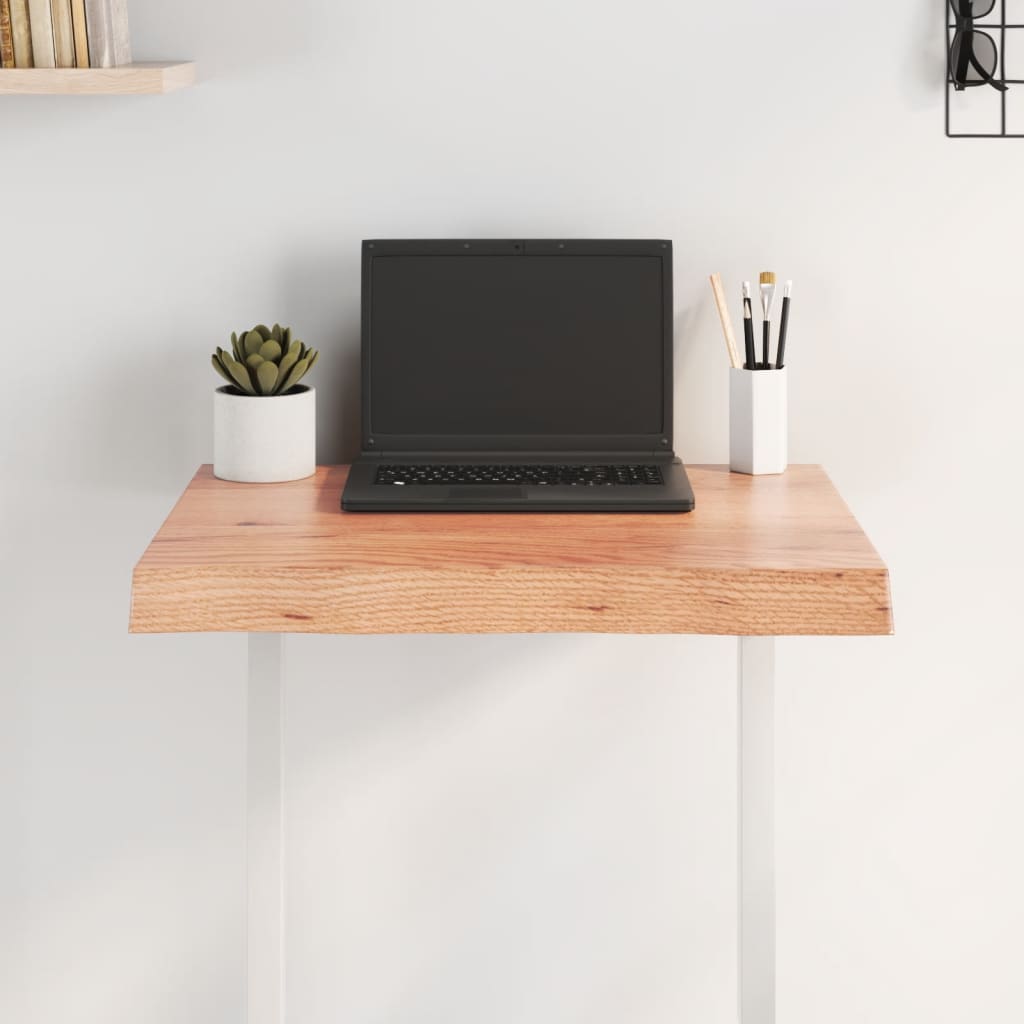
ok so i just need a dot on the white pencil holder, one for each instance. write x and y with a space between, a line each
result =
758 421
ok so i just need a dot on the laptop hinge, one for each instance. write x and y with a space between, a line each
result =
455 454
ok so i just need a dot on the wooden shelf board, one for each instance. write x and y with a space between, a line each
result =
770 555
129 79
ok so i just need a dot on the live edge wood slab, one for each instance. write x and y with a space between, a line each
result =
770 555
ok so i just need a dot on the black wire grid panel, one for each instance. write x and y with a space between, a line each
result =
1001 26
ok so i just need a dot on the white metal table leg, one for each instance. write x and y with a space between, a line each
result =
756 709
264 830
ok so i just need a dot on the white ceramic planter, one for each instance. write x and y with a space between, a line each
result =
758 421
264 440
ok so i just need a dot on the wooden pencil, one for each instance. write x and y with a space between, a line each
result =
723 313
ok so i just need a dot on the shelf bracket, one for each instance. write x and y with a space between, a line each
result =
756 712
265 830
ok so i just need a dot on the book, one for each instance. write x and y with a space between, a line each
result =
22 34
42 33
63 33
109 40
81 33
6 35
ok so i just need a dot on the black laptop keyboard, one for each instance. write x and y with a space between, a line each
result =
541 475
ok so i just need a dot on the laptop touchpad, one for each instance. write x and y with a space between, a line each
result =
484 493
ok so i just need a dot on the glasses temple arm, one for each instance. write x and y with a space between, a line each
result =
994 82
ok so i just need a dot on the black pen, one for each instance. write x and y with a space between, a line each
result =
783 324
748 328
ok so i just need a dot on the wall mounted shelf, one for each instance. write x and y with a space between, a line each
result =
152 78
764 556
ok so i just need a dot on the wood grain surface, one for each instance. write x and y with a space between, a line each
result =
140 78
770 555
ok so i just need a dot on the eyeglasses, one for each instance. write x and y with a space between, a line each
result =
973 57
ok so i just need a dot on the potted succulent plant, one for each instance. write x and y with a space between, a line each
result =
264 420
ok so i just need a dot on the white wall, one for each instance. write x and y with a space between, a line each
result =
511 828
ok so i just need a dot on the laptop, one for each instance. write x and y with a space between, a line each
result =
517 376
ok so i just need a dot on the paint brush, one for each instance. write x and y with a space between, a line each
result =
780 355
767 301
748 328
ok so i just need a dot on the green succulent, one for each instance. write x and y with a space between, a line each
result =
264 361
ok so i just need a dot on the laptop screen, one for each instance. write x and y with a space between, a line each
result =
525 344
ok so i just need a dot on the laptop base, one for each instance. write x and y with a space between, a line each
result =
364 494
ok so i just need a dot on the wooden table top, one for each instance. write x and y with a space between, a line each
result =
769 555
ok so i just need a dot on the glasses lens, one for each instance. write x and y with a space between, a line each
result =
973 58
977 9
